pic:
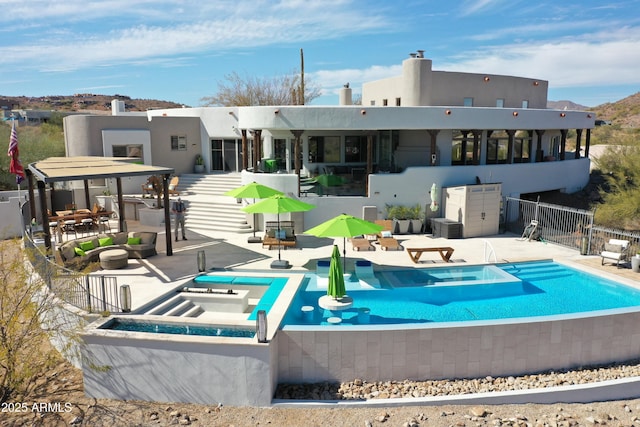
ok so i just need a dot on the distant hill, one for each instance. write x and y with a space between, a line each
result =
624 113
82 102
565 105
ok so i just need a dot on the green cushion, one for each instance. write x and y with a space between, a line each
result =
86 246
79 251
106 241
134 241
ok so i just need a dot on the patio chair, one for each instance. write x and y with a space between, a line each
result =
365 274
360 244
615 250
147 188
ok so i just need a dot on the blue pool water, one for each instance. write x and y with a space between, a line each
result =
418 296
171 328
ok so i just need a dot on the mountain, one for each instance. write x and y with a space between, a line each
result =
565 105
624 113
88 102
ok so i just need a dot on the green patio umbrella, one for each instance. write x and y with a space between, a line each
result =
344 226
336 288
278 204
253 191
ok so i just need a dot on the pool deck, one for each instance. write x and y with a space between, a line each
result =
152 277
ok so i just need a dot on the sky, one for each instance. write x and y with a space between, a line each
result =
180 50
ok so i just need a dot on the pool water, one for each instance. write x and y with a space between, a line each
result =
538 289
178 329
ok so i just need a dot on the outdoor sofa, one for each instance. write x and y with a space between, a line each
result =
78 253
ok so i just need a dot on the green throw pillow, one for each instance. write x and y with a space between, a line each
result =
134 240
79 251
86 246
106 241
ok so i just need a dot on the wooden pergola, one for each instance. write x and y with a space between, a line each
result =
84 168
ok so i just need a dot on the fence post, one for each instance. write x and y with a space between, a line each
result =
103 293
88 293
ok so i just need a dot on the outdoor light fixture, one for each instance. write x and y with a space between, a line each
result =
202 263
125 298
536 83
448 112
588 116
363 112
562 114
261 326
276 112
515 114
486 78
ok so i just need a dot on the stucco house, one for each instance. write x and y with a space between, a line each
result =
411 131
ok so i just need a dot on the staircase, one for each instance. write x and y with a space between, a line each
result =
207 208
176 306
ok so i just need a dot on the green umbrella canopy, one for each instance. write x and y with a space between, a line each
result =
278 204
252 190
344 226
336 288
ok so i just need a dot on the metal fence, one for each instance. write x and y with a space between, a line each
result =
565 226
90 292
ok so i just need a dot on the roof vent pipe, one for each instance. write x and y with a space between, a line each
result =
421 54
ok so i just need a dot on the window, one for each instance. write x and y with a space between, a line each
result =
525 103
355 149
468 102
385 102
522 147
497 148
131 150
178 143
324 149
397 102
500 103
372 103
462 148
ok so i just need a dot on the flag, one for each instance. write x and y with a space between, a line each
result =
15 167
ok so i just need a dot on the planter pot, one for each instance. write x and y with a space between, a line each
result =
149 216
635 264
416 226
198 168
402 226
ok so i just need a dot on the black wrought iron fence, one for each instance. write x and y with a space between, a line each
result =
91 292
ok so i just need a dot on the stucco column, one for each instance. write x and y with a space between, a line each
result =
257 134
563 143
578 141
369 161
167 214
476 145
45 216
539 132
297 134
433 134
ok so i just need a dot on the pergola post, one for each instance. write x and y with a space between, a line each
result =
167 213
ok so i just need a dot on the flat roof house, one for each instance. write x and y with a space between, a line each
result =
412 130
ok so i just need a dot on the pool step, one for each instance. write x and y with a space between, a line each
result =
165 306
179 309
194 311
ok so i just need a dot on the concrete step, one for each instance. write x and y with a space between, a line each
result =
181 308
194 311
165 306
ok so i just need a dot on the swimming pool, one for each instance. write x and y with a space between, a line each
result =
522 290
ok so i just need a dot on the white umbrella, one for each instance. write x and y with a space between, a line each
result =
434 198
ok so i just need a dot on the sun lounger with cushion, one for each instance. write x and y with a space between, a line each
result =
322 273
361 244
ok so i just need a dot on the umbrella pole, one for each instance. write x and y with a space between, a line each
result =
278 237
344 255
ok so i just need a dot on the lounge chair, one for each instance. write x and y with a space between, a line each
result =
173 185
365 274
148 189
388 242
615 250
361 244
286 238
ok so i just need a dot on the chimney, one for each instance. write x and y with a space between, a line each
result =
412 55
421 54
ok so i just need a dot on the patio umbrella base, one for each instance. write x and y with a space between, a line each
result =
254 239
280 263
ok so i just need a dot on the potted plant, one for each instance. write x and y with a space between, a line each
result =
199 165
416 216
401 218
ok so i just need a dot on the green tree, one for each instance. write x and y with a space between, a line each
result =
621 207
238 91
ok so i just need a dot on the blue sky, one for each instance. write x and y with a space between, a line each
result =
178 50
